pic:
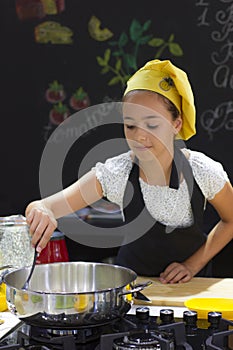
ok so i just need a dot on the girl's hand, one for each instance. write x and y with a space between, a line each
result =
42 224
176 273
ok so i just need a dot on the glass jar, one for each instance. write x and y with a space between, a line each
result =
15 242
55 250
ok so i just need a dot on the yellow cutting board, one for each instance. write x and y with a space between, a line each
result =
175 294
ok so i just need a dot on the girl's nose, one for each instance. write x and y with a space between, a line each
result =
141 134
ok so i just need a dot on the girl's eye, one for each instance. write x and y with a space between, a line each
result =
130 126
149 126
152 126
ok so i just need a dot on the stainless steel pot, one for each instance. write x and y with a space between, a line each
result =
71 294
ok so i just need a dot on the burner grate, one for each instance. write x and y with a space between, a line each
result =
140 331
24 347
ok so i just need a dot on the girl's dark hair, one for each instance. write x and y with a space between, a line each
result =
170 105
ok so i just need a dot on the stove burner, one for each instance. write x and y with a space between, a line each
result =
139 341
79 335
61 332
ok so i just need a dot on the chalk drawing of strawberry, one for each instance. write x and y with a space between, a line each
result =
80 99
59 113
55 92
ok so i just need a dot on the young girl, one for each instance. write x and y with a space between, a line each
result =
170 184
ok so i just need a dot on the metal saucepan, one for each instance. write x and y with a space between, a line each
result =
71 294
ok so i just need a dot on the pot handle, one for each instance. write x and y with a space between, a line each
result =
6 268
137 288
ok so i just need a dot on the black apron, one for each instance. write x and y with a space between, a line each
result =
152 252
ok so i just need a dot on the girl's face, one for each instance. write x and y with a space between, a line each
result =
148 125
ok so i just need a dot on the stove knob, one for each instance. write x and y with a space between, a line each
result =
167 316
190 318
143 313
214 319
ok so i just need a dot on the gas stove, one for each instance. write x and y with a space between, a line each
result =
139 331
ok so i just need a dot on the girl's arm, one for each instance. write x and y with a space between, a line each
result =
217 239
41 215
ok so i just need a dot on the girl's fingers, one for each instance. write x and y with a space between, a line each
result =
180 276
185 279
33 220
41 228
30 216
45 237
175 273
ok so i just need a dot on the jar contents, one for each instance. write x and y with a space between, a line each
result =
15 242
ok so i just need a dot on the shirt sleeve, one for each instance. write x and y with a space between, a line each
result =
113 175
209 174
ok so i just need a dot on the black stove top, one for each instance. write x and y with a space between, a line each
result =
132 332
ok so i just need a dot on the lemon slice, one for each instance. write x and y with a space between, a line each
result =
3 303
81 302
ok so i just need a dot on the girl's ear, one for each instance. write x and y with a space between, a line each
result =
178 124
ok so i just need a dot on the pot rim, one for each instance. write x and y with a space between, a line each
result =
38 292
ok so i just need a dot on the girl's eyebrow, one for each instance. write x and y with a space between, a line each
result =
145 117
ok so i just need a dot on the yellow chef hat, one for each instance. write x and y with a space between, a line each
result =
172 82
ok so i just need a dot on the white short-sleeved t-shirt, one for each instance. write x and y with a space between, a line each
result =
167 205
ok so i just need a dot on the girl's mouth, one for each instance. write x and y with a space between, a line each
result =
142 148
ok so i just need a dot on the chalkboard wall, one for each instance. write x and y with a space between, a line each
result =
196 35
